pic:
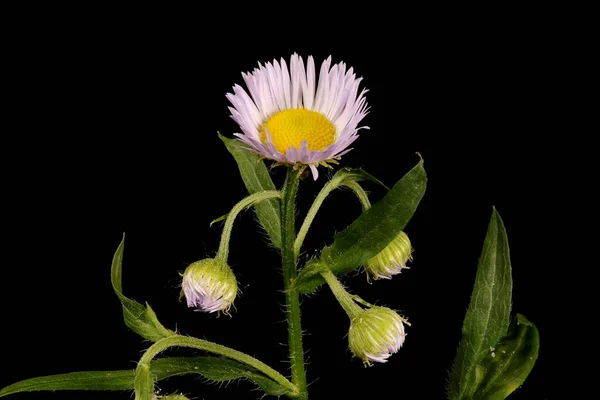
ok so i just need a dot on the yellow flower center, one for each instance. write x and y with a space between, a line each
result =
291 127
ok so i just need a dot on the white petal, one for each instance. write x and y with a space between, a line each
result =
308 87
314 170
323 86
295 71
286 84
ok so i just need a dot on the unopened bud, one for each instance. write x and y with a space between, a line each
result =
209 285
375 334
392 259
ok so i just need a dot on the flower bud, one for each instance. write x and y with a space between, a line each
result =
392 259
209 285
375 334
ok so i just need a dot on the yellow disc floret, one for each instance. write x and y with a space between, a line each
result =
291 127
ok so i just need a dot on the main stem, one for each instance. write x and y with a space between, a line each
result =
292 297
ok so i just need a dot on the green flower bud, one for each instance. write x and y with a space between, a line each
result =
375 334
391 260
209 285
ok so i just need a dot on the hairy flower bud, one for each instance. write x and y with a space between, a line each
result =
375 334
209 285
391 260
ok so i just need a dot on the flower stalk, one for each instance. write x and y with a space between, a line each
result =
292 296
249 201
341 178
345 299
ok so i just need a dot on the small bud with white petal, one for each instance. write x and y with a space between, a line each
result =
375 334
392 259
209 285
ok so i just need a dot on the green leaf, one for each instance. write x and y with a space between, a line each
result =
371 232
356 175
488 315
221 370
212 368
506 367
140 319
221 218
93 380
256 177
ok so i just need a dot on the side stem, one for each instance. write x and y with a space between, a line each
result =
184 341
345 299
292 297
312 212
360 193
244 203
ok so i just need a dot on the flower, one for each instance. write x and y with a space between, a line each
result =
288 118
392 259
375 334
209 285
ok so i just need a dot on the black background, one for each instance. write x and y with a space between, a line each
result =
116 132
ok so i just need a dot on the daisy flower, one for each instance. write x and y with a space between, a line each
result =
289 117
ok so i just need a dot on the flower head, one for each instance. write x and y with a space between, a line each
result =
209 285
392 259
375 334
289 118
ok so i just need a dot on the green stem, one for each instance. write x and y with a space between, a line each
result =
292 297
360 193
185 341
345 179
312 212
345 299
251 200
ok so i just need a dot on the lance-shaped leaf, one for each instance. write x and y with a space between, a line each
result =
212 368
488 315
371 232
220 370
140 319
256 177
507 365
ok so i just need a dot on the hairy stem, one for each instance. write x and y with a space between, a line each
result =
292 297
360 193
345 299
184 341
249 201
342 178
312 212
